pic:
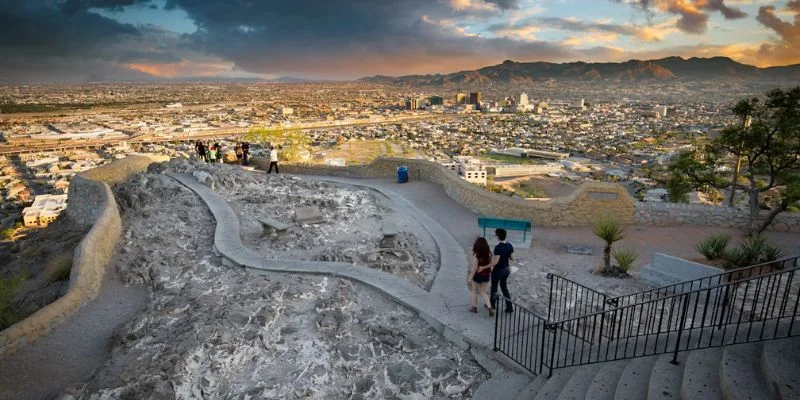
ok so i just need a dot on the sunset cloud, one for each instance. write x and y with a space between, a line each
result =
693 14
78 40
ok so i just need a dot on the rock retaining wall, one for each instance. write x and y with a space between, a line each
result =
590 201
708 215
91 202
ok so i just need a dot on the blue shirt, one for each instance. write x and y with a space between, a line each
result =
504 250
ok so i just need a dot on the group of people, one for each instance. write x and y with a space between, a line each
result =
213 153
491 267
242 151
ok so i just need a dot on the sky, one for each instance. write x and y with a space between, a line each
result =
146 40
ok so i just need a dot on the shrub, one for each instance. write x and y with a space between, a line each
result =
733 257
625 258
713 246
772 252
62 268
751 251
7 234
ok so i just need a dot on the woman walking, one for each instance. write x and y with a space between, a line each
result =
481 274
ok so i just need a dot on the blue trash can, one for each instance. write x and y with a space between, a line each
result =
402 174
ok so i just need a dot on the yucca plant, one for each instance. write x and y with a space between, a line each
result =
609 230
625 258
713 246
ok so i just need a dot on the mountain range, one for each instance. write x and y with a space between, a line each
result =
665 69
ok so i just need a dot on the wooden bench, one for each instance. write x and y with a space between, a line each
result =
270 225
507 224
389 231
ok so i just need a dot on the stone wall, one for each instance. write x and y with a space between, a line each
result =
708 215
91 202
590 201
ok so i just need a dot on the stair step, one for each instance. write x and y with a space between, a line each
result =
740 373
633 382
552 388
701 375
578 384
781 367
529 393
666 378
604 383
504 386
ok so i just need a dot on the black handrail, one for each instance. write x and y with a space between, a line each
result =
521 335
584 326
754 309
711 280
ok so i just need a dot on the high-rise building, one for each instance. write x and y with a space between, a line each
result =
523 99
436 100
461 99
475 98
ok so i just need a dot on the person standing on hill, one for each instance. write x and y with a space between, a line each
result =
501 269
481 274
245 152
273 160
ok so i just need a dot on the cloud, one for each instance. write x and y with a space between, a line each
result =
786 49
693 14
597 31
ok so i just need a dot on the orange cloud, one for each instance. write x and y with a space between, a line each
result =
182 68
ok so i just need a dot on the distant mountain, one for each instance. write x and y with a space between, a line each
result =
665 69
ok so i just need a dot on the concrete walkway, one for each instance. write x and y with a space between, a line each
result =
445 307
70 353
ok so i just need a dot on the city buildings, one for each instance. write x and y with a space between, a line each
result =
45 209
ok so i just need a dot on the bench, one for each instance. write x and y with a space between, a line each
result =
507 224
389 231
270 225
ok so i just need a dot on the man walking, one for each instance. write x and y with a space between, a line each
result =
501 269
273 160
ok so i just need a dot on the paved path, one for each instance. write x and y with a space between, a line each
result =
71 352
445 307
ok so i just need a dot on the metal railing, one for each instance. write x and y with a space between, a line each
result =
522 336
708 281
754 309
584 326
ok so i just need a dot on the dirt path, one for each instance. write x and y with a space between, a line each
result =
73 351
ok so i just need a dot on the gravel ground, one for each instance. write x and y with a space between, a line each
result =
216 332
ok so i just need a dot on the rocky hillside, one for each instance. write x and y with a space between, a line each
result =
665 69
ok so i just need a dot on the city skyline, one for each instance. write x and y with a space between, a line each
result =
146 40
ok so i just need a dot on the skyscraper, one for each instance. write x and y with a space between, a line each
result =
475 98
523 99
461 98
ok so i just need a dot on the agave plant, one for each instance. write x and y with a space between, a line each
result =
713 246
610 230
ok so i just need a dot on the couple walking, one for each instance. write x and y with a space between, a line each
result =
486 268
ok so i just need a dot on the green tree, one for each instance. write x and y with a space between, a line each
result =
291 141
766 148
678 188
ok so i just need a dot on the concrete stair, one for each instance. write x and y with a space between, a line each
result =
757 371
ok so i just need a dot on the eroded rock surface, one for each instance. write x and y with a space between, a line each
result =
215 332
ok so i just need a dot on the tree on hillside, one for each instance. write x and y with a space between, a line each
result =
766 149
291 141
